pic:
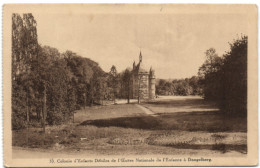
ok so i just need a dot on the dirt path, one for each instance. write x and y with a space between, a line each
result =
146 110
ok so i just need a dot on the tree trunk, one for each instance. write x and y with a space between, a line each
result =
27 117
128 97
114 100
128 92
44 109
38 114
73 116
27 109
85 100
91 92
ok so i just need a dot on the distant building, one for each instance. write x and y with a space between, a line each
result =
143 81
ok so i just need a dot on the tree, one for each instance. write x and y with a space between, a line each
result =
195 85
209 74
47 86
24 52
85 73
182 87
126 83
160 88
17 42
234 99
97 88
113 81
225 79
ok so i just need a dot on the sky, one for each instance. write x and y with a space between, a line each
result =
173 44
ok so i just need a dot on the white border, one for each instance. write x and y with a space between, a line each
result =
2 2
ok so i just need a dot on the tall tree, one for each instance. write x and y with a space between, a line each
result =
24 52
113 81
209 73
126 82
225 79
234 99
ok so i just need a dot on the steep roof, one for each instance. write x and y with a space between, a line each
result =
140 67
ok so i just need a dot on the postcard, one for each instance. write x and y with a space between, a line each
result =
130 85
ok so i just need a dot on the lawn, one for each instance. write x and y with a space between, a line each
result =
107 112
182 125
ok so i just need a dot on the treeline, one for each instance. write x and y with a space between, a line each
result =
48 86
179 87
224 79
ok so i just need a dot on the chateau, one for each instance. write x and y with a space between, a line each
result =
143 81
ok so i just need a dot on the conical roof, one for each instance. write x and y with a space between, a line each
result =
152 72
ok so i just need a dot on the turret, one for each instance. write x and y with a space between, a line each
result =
151 84
151 73
140 57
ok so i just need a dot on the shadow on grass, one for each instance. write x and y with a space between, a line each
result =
212 121
140 122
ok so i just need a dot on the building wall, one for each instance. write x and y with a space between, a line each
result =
152 87
144 85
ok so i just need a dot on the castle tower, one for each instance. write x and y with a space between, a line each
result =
143 78
143 81
140 57
151 84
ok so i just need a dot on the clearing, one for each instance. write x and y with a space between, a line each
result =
181 125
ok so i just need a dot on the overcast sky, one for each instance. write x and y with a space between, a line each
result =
173 44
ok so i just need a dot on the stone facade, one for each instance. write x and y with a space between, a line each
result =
143 81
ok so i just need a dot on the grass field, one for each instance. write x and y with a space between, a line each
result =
180 125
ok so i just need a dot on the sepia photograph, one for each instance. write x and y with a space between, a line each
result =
130 85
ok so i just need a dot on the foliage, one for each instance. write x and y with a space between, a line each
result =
24 52
18 106
209 74
113 82
225 79
48 86
84 71
125 84
235 78
179 87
